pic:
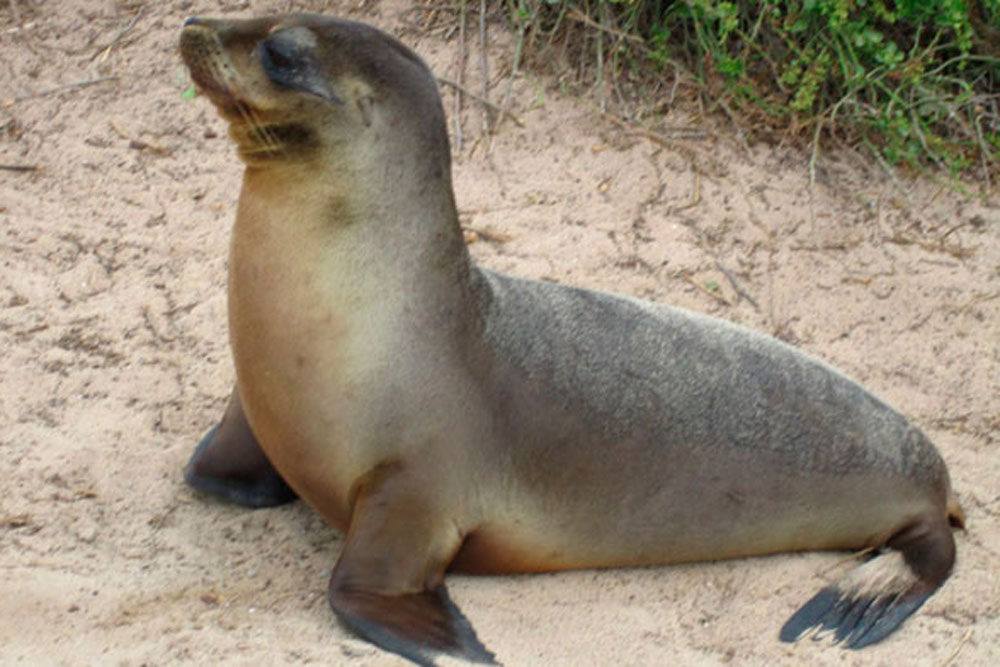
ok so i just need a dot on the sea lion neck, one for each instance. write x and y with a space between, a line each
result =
390 230
330 201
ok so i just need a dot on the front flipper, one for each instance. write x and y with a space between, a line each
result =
388 585
414 625
874 599
229 463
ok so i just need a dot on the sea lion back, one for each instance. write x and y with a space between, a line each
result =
631 366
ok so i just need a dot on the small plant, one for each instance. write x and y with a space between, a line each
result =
918 81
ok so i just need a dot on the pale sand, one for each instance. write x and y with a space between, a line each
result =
113 327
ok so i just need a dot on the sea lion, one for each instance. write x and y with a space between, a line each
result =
446 417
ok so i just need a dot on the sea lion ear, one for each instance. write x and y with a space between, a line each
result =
366 104
288 57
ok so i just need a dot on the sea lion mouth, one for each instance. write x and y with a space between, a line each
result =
268 140
252 135
209 85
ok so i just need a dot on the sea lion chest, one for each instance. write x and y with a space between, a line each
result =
307 337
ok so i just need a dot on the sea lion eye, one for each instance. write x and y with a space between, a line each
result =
278 57
288 59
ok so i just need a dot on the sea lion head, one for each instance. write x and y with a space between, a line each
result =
295 87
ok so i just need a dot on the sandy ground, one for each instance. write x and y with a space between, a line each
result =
115 356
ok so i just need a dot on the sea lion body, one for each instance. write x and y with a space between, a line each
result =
448 417
668 436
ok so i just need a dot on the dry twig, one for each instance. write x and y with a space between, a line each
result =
138 144
518 52
663 140
58 89
736 285
481 99
484 66
578 16
488 234
715 295
461 78
19 167
958 649
857 555
105 51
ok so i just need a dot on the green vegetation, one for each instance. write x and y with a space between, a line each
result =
917 81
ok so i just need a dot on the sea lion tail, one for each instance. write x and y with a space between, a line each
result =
874 599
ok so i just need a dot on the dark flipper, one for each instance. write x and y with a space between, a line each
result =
388 585
229 463
857 621
873 600
416 626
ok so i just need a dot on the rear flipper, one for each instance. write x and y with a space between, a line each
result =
229 463
873 600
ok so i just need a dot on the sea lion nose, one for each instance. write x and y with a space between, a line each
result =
191 20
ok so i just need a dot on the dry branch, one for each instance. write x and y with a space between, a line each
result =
104 51
58 89
481 99
19 167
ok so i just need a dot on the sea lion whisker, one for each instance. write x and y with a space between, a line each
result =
250 118
270 141
228 79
